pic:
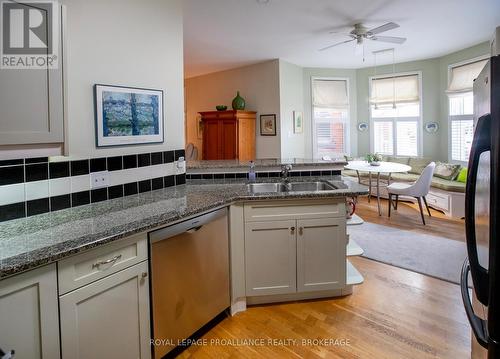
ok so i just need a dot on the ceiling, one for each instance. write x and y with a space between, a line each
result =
224 34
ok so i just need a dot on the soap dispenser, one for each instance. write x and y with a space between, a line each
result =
251 172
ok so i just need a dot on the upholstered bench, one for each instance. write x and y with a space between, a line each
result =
446 195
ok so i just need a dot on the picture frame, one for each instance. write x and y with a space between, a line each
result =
127 115
268 125
298 122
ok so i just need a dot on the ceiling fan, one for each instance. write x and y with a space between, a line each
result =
360 33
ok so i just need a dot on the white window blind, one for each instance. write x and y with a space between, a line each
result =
395 90
330 116
395 115
462 77
461 108
462 132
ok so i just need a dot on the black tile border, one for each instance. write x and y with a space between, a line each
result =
260 174
17 171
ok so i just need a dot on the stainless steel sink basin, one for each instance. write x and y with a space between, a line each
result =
290 187
266 187
310 186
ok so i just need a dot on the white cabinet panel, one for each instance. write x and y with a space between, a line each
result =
270 257
29 315
321 254
31 103
108 318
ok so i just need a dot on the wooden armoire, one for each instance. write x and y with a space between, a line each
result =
228 135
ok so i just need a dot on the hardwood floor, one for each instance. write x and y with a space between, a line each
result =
395 313
407 217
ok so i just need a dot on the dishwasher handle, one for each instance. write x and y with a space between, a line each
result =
190 226
194 229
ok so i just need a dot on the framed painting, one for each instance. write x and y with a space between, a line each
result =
298 123
127 115
268 125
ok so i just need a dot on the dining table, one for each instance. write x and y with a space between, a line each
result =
374 171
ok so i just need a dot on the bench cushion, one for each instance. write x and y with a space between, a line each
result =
445 185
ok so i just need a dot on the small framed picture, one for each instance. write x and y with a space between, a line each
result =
127 115
298 123
268 125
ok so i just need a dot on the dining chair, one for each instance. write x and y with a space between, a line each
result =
419 189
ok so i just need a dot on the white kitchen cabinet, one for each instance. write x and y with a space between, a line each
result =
321 254
108 318
32 103
29 315
270 257
294 247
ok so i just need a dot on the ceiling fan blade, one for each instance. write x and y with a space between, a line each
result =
392 39
338 43
385 27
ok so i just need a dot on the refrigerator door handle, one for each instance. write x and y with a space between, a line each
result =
480 144
478 325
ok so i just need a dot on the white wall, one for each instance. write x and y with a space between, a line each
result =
258 85
310 73
123 42
293 145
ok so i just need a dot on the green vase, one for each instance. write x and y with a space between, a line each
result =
238 102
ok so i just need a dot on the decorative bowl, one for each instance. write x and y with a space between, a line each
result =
374 163
221 107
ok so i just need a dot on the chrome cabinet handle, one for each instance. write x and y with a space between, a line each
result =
292 230
107 261
301 230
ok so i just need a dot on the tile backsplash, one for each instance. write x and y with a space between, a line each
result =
34 185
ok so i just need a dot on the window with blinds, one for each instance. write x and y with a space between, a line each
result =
330 99
395 114
461 108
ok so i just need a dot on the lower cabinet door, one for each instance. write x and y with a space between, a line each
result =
270 257
29 320
321 254
108 318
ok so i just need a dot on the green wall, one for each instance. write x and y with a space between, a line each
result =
444 62
434 100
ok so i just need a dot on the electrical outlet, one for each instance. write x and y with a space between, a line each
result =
99 179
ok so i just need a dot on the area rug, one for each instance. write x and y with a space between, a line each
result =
423 253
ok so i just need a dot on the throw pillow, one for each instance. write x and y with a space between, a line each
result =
402 160
447 171
418 164
462 176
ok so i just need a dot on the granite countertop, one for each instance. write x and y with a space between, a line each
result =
268 162
30 242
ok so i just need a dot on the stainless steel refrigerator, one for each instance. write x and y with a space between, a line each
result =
482 217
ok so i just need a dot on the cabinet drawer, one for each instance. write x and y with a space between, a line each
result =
85 268
439 201
284 210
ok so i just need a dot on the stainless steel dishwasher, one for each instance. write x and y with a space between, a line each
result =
189 277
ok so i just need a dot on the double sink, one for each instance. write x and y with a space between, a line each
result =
279 187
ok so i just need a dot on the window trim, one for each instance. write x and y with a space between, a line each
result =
347 139
397 119
458 117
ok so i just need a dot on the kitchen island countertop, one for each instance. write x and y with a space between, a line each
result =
34 241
